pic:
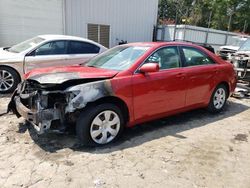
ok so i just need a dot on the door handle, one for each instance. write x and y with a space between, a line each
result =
180 75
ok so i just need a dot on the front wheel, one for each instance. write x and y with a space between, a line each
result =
218 99
99 125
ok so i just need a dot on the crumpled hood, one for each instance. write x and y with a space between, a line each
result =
58 75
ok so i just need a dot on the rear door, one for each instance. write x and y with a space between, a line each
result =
79 52
53 53
201 73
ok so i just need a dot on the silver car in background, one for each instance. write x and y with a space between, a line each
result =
43 51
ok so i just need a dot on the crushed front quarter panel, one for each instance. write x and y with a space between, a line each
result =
85 93
42 107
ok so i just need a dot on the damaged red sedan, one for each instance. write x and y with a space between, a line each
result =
124 86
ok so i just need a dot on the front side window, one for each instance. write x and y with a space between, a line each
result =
118 58
52 48
76 47
167 58
194 57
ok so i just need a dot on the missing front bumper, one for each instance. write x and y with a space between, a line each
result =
40 119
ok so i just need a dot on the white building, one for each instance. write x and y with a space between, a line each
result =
20 20
105 21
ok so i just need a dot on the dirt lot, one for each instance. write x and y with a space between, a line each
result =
194 149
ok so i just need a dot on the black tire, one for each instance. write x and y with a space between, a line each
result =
14 75
212 107
87 116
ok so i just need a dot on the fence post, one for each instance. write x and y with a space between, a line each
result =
155 31
226 39
184 32
206 39
163 33
208 27
175 28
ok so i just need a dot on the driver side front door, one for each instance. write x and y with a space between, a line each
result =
162 92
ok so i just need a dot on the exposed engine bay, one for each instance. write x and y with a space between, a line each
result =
54 106
241 62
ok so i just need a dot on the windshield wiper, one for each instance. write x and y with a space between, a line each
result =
84 64
6 49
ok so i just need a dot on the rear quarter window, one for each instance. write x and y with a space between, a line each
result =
77 47
195 57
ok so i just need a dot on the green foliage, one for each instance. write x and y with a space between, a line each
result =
197 12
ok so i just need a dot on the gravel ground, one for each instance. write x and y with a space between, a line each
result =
194 149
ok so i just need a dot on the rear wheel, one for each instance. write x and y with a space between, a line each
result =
9 79
218 99
99 125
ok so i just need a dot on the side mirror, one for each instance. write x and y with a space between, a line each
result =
149 67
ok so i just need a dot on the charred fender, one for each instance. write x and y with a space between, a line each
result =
82 94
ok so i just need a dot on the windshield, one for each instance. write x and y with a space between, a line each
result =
245 46
119 58
25 45
238 42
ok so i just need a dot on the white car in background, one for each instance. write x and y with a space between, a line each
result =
43 51
225 52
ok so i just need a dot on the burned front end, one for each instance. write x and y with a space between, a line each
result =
53 107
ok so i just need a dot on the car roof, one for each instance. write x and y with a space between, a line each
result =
63 37
155 45
159 44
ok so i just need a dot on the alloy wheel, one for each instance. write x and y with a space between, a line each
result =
6 80
219 98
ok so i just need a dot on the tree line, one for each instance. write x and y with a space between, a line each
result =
229 15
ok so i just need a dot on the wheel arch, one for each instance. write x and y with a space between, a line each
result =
226 85
114 100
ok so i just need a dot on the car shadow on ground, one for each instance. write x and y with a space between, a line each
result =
132 137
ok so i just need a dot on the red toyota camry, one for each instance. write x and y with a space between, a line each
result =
122 87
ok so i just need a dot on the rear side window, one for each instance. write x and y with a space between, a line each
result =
194 57
77 47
